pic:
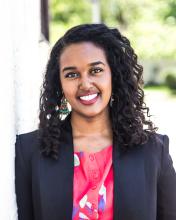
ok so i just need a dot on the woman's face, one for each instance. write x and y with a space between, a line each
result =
85 78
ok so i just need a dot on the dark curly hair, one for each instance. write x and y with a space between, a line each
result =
130 117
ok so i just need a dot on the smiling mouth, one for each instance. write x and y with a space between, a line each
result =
89 99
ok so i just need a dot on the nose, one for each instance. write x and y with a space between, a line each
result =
85 83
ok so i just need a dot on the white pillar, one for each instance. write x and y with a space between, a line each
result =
26 33
7 116
20 79
96 15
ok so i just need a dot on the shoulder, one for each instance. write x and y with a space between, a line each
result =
26 144
28 136
166 175
157 143
156 151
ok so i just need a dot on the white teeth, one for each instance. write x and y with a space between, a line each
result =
88 97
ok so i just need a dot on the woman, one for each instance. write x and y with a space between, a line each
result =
104 160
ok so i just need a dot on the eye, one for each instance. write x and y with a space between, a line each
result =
96 70
71 75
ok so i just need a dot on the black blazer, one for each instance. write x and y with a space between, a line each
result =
144 180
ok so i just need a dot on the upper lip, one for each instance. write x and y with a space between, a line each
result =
87 93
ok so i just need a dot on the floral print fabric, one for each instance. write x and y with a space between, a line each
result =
93 185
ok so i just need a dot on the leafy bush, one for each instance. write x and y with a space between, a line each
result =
171 80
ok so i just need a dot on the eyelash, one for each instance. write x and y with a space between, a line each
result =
96 70
69 74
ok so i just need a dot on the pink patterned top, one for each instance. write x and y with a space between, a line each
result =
93 185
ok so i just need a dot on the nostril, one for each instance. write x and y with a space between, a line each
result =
85 85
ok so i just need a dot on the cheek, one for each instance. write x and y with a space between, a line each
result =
69 92
107 83
65 86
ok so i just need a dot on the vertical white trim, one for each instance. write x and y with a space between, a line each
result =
96 15
20 78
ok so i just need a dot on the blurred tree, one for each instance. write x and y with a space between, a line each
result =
116 12
69 10
149 24
67 13
170 14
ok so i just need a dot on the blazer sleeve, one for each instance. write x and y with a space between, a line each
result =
23 185
166 186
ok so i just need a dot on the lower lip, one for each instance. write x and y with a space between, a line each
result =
89 102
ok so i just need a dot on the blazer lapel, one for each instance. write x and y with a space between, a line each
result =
56 180
129 184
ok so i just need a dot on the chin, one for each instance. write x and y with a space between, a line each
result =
91 114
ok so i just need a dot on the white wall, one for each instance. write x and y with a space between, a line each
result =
20 80
163 67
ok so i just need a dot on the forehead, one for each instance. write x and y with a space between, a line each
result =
82 52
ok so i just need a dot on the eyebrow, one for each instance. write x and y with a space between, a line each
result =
90 64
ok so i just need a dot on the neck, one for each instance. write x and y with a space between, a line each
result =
93 126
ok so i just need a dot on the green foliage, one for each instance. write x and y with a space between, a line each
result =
149 24
121 12
170 14
171 80
67 13
69 10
